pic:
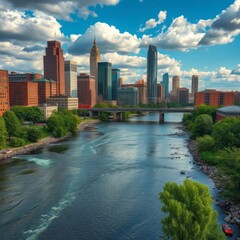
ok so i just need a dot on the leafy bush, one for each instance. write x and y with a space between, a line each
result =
205 143
202 125
209 158
33 134
17 142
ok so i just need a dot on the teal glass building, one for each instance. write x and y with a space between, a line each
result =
115 82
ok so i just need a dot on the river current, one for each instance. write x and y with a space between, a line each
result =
102 184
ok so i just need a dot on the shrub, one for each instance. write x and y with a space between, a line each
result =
205 143
17 142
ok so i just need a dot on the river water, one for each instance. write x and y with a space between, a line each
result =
103 184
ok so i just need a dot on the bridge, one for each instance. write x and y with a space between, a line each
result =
117 112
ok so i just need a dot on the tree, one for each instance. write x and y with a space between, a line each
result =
205 143
12 124
202 125
205 109
33 133
190 213
3 133
34 114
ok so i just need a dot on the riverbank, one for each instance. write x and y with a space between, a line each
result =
43 142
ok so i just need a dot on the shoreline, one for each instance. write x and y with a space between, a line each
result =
42 143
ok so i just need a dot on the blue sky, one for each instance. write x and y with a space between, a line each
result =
192 36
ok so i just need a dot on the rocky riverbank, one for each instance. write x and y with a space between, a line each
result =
40 144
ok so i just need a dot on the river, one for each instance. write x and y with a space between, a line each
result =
102 184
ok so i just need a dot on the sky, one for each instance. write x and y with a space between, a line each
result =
192 37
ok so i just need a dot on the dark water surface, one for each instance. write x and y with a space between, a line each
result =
100 185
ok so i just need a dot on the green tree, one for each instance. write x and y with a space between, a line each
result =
33 133
12 124
202 125
205 143
226 132
3 133
20 112
205 109
189 212
34 114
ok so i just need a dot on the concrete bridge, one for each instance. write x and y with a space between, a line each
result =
117 112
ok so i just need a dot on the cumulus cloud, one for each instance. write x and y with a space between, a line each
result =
236 70
55 8
225 27
109 39
152 23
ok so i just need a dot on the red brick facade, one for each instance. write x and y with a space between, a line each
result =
46 89
4 92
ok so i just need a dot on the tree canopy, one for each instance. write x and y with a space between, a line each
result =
12 124
189 212
202 125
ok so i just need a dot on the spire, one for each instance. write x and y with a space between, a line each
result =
94 42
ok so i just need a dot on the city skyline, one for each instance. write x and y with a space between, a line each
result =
199 38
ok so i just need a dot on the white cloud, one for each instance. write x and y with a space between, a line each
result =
152 23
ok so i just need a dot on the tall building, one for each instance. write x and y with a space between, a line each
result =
183 95
105 81
127 96
165 83
214 98
194 84
160 93
152 74
70 78
94 60
115 82
54 65
4 92
175 85
86 90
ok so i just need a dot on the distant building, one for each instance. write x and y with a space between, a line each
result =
165 83
94 60
175 85
183 95
194 84
121 81
214 98
4 92
230 111
115 82
160 93
24 77
47 111
105 81
64 102
152 74
54 65
70 78
86 90
127 96
237 98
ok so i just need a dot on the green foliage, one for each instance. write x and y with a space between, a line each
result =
202 125
17 142
209 157
205 143
12 124
189 212
125 115
33 134
204 109
32 114
3 133
187 120
226 132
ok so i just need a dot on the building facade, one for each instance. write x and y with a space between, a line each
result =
105 81
183 95
47 111
175 85
194 84
115 82
165 83
229 111
4 92
94 60
70 78
152 74
127 96
54 65
214 98
63 101
86 90
160 93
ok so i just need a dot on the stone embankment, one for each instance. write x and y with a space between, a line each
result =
231 208
40 144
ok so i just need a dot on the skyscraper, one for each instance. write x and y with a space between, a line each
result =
70 78
152 74
115 82
175 85
94 59
165 83
194 84
54 65
4 92
105 80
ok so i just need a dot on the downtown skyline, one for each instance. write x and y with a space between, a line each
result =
200 38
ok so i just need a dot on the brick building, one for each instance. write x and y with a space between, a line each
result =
183 95
214 98
4 92
230 111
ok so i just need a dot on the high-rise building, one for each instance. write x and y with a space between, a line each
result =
115 82
105 81
86 90
127 96
194 84
175 85
70 78
121 81
4 92
160 93
152 74
54 65
183 95
165 83
94 60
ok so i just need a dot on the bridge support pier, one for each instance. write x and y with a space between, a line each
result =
119 116
161 118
